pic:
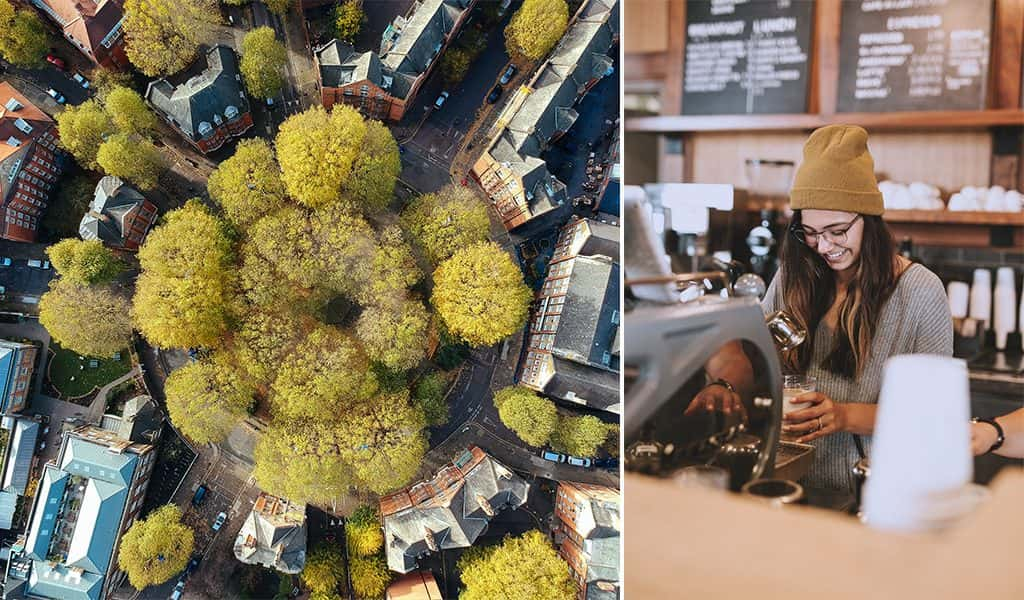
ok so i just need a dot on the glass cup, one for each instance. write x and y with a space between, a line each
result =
793 386
703 476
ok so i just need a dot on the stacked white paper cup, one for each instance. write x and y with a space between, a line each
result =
921 458
959 293
1005 306
981 297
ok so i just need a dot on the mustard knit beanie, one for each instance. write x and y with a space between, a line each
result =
837 173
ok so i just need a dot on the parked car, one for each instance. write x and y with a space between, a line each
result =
46 264
440 99
5 261
193 564
53 60
220 520
494 95
509 73
82 81
579 462
199 496
35 264
179 589
606 463
552 456
56 95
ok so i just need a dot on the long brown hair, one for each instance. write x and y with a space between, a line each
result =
809 289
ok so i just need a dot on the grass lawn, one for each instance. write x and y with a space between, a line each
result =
65 365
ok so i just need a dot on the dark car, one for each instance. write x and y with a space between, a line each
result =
494 95
606 463
199 496
193 564
508 74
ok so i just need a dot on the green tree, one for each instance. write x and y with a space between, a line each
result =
323 375
83 129
324 572
262 64
84 262
279 7
128 111
536 28
371 184
248 185
164 35
131 158
429 397
525 567
446 221
480 295
89 320
156 548
301 460
363 532
183 295
531 417
67 207
316 151
579 436
370 577
206 399
23 39
455 65
395 334
392 271
384 441
106 80
348 19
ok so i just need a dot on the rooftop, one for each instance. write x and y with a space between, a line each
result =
113 201
273 535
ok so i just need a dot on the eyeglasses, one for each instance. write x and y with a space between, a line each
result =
835 235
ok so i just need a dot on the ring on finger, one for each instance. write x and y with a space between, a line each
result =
820 426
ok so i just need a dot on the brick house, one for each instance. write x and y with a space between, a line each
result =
573 339
119 216
382 85
510 170
17 362
92 26
30 163
273 535
209 107
86 500
588 537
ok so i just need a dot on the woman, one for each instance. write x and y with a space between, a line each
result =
841 279
1003 435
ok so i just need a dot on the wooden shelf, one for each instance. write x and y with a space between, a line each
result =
953 217
943 120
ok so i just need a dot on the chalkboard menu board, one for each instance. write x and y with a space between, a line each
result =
914 55
746 56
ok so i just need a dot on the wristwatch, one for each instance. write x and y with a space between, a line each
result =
1000 437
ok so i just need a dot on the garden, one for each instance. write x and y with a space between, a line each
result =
72 375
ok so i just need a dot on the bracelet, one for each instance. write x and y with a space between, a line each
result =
722 383
1000 437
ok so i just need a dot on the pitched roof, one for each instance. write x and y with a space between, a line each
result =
44 517
17 116
57 581
90 22
205 100
114 200
449 511
19 457
99 517
85 458
273 535
421 37
571 381
585 329
8 506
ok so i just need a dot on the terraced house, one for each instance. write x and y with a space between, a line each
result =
30 164
382 85
84 504
207 105
588 538
512 171
92 26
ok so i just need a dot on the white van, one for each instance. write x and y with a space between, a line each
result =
36 264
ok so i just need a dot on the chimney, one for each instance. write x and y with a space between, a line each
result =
428 536
485 505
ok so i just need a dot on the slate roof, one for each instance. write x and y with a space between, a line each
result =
141 420
88 459
602 239
585 330
596 388
273 535
13 157
210 98
420 41
19 456
341 65
44 517
451 509
87 21
596 518
8 505
113 201
58 581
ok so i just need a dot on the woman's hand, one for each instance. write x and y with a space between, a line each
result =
983 436
823 416
717 397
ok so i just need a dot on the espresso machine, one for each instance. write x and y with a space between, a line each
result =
677 323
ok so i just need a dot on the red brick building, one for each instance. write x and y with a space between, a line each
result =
92 26
118 215
587 536
208 106
17 362
30 164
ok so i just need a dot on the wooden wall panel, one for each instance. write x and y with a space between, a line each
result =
1007 53
646 26
947 160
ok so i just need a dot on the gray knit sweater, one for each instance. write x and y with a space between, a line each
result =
915 320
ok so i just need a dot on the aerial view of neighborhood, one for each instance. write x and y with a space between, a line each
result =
310 299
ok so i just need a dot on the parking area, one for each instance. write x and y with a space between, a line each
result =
22 275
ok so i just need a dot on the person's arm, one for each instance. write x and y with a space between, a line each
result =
983 435
731 378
